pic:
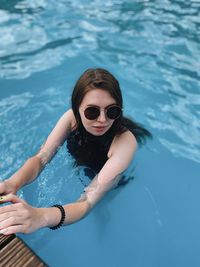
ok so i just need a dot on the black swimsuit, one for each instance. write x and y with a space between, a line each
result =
89 150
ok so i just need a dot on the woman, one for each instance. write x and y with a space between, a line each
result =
98 137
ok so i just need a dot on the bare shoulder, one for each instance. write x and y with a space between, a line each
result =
125 141
125 138
69 118
57 136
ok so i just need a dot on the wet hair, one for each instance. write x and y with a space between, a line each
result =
102 79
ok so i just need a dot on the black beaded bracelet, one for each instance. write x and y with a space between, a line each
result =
62 217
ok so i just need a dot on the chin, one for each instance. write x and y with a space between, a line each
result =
98 134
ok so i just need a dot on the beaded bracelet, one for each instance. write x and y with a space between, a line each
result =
62 217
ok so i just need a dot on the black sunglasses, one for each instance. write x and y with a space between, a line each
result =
112 112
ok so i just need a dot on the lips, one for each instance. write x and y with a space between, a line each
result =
99 128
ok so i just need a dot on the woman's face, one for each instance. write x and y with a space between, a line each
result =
101 99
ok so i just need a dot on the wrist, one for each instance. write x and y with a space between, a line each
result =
11 186
51 216
62 219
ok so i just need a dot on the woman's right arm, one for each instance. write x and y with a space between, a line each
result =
34 165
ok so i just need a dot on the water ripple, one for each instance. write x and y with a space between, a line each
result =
155 45
22 128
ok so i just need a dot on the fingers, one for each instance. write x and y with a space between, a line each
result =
11 212
2 188
6 187
13 229
11 198
13 217
19 216
9 220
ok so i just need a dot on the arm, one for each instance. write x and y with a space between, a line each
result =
120 156
34 165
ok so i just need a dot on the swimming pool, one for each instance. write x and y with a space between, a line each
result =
153 49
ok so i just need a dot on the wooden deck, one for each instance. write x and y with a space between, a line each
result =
15 253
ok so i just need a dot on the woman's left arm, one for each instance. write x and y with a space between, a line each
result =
21 217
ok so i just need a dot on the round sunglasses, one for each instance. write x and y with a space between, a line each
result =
112 112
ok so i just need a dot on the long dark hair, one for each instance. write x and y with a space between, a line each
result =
102 79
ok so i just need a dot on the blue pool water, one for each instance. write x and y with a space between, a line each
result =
153 48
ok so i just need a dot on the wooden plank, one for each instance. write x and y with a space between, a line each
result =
15 253
5 239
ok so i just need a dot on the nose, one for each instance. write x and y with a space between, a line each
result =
102 116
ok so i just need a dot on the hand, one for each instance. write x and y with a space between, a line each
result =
6 188
19 217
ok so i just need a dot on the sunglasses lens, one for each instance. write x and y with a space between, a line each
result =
91 113
114 112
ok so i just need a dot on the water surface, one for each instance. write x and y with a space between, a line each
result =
153 49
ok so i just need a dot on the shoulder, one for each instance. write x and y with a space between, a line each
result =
125 141
126 136
69 118
57 136
120 155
